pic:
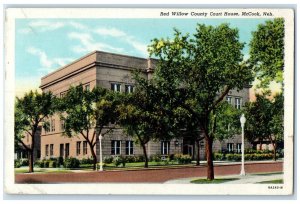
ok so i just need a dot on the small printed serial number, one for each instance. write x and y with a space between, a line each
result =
275 187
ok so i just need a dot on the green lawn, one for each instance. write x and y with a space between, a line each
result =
276 181
138 165
215 181
22 171
88 167
267 173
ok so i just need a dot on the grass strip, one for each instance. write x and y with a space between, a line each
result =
215 181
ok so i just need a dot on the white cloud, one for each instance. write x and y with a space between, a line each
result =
44 61
113 32
78 26
88 44
25 30
62 61
121 35
47 64
42 26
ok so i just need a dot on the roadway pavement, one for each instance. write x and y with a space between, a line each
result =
149 175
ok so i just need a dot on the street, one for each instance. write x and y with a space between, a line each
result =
146 175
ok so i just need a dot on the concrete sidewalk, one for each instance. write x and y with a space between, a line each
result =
247 179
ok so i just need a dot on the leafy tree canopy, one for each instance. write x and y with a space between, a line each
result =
265 119
267 51
196 73
30 112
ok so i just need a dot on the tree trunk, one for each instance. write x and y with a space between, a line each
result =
260 145
198 153
30 160
31 152
273 142
145 155
209 158
93 155
274 151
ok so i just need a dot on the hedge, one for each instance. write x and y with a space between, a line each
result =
249 157
183 159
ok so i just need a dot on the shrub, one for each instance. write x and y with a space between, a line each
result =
60 161
17 163
52 164
120 160
108 160
46 163
139 158
71 163
183 159
233 157
171 157
86 161
24 162
37 163
155 158
130 159
219 156
249 157
42 164
280 153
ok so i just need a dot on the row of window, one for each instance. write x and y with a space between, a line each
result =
116 147
64 149
230 147
237 100
114 87
52 125
117 87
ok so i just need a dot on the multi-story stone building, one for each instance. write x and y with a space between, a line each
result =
113 71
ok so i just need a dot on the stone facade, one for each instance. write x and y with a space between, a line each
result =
104 69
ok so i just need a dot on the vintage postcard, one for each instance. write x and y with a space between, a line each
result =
161 101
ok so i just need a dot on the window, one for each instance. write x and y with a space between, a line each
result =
78 144
62 125
129 147
116 147
239 147
61 150
228 99
84 147
165 147
201 144
128 89
87 87
51 150
47 150
238 103
116 87
67 150
230 147
52 125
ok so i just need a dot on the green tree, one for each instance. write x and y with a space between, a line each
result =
267 51
265 120
225 121
30 112
88 113
197 73
142 117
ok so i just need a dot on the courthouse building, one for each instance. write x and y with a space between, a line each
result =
113 71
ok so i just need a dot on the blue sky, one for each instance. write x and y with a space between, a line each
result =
44 45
